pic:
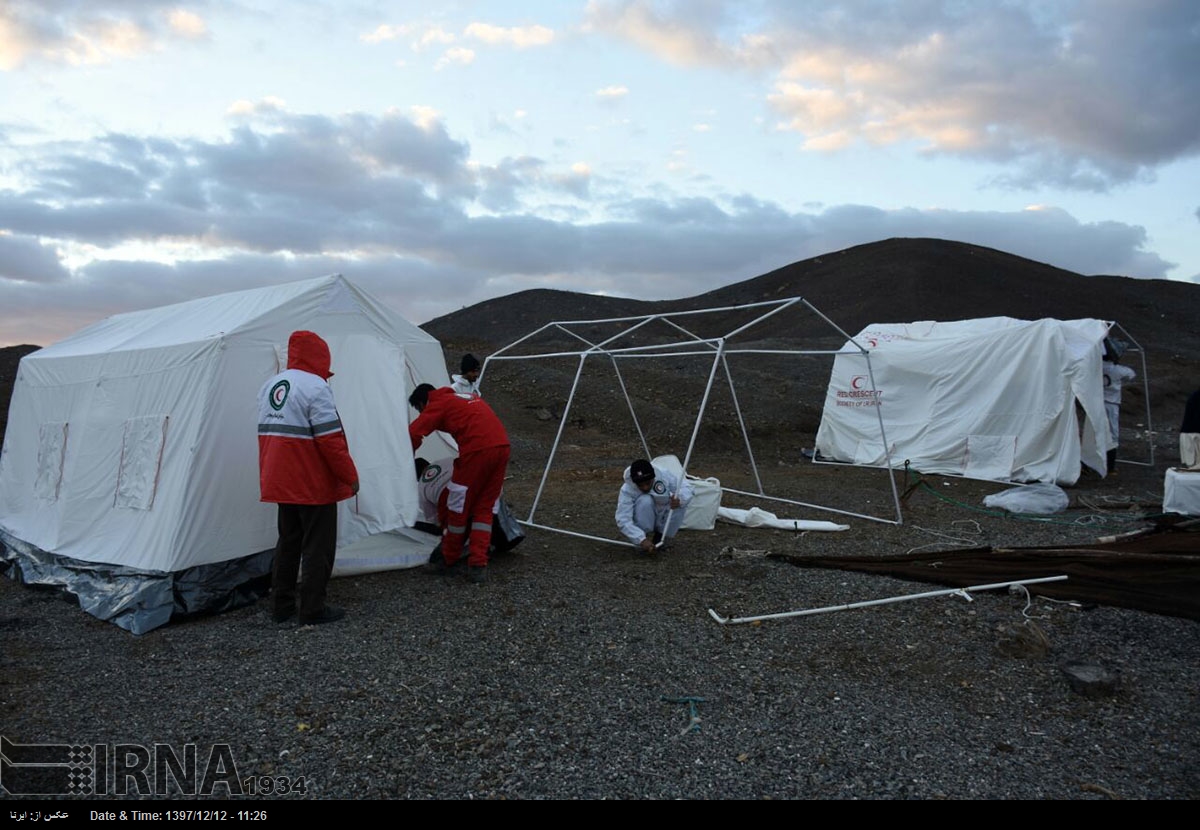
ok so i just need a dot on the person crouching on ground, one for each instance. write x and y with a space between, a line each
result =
478 474
648 498
304 467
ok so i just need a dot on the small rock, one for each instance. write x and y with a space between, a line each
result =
1091 680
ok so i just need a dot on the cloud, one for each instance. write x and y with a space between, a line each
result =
25 259
614 92
1077 95
263 106
71 33
398 199
685 33
186 24
432 37
384 32
458 55
521 37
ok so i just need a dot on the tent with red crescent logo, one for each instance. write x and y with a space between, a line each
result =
994 398
129 471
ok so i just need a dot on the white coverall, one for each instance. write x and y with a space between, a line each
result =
640 514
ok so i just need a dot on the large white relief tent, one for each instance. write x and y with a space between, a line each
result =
991 398
129 472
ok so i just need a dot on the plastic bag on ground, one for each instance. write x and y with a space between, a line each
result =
1038 499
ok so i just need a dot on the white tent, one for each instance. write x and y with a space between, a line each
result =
991 398
131 450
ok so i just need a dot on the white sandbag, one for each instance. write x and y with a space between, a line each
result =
757 517
1038 499
701 511
706 501
1181 492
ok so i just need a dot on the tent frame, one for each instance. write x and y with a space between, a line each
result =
688 343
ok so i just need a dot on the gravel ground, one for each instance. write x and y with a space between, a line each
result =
565 676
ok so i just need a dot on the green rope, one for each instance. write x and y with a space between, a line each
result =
693 711
1004 514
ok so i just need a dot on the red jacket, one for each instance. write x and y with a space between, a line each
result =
470 421
303 457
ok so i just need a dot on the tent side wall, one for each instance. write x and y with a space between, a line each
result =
109 491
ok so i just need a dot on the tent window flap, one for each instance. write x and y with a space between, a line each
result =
141 459
52 450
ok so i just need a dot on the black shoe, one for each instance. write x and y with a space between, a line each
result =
282 616
327 614
439 566
477 574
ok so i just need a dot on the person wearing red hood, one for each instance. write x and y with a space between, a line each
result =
305 467
478 474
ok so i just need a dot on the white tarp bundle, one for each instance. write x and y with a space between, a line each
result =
133 443
992 398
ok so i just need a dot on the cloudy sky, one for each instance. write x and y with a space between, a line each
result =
444 153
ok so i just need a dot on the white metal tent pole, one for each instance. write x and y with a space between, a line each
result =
813 506
687 457
680 328
629 402
521 340
887 452
625 543
835 326
786 304
703 404
963 592
562 423
1146 395
687 313
741 422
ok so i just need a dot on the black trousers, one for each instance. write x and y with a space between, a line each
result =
304 555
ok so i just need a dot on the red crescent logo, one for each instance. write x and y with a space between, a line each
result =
856 381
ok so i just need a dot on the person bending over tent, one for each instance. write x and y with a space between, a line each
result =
651 504
478 474
304 467
467 383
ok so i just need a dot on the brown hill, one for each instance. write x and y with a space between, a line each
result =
897 280
10 358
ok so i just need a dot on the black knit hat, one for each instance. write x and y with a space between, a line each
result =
420 396
641 471
470 363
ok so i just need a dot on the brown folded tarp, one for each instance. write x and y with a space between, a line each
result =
1158 572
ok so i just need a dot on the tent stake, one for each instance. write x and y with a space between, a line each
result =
962 592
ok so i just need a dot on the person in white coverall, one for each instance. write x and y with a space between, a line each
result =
1114 375
648 498
467 383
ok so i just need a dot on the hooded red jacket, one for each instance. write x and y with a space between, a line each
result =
470 421
303 457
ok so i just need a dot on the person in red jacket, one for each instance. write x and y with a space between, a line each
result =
305 467
478 475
